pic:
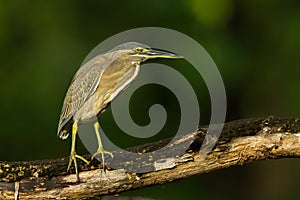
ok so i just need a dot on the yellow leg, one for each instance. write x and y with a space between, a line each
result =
73 154
100 149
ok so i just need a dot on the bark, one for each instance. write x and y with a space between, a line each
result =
241 141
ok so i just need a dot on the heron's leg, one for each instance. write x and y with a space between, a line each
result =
100 149
73 154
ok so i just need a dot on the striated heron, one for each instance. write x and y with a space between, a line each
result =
96 84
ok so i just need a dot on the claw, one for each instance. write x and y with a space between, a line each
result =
73 157
102 152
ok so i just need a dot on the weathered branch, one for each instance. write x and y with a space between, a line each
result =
241 142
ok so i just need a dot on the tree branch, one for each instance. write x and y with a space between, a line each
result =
241 142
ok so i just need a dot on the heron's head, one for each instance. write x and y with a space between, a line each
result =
140 52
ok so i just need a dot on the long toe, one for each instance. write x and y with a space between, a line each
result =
70 163
71 160
102 152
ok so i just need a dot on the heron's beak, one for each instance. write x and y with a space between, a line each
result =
155 53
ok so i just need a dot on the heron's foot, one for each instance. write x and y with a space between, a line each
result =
102 152
73 157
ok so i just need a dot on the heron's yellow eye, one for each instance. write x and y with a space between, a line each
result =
140 49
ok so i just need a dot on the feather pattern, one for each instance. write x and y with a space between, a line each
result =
83 86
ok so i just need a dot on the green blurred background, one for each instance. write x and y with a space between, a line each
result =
254 43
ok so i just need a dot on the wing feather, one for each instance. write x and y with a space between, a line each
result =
83 86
